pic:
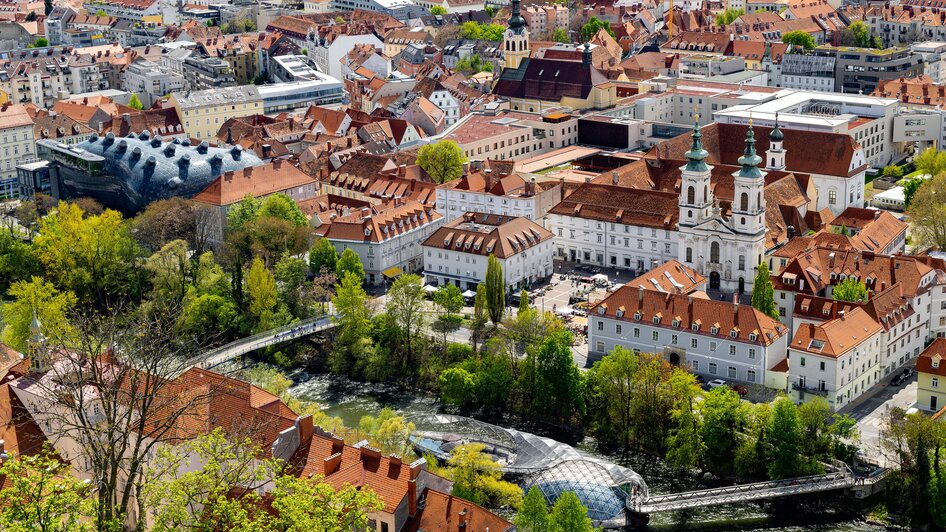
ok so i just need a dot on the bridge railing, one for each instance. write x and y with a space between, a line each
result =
745 488
256 341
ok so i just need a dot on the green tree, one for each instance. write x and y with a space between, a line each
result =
389 432
40 42
560 35
534 514
752 451
685 443
930 161
727 17
893 171
476 477
857 34
169 268
611 388
283 207
349 262
438 10
243 212
763 294
799 38
135 103
850 289
495 290
314 505
443 160
322 255
93 256
570 515
559 384
449 298
457 387
18 261
928 212
41 299
262 293
724 417
480 315
591 28
784 436
405 306
523 301
909 190
290 273
206 313
41 494
352 342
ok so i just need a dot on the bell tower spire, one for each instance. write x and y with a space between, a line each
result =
775 155
696 198
749 190
515 39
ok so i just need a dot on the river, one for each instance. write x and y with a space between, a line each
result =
350 400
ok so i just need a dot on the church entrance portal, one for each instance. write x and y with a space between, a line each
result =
714 280
742 285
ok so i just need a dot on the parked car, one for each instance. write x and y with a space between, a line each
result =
716 383
902 377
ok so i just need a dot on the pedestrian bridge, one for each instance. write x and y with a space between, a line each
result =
235 349
742 493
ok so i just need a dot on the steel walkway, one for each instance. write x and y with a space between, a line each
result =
226 353
742 493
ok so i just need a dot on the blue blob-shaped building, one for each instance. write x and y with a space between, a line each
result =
128 173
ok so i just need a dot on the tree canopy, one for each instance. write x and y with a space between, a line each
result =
442 160
928 212
851 290
800 39
763 294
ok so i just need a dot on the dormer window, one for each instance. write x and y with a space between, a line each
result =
637 315
657 319
695 326
935 362
753 337
676 323
714 330
734 333
602 309
619 313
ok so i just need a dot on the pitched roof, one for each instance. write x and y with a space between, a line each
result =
611 203
446 513
489 234
663 309
257 181
836 337
935 351
548 80
382 222
670 277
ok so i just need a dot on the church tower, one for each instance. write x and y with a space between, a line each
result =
515 39
696 198
748 209
775 155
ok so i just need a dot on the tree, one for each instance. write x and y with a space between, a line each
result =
928 212
561 35
727 17
752 451
495 290
893 171
262 293
559 384
389 432
283 207
685 443
314 505
534 514
724 416
354 321
851 290
173 219
94 257
570 515
443 160
917 443
438 10
405 305
322 255
243 212
611 380
457 387
857 34
480 315
350 262
800 39
135 103
763 294
476 477
591 28
41 494
18 261
37 299
909 190
449 298
290 273
208 313
40 42
784 437
930 161
270 237
169 268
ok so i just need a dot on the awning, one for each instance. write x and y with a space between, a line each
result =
430 289
469 294
392 272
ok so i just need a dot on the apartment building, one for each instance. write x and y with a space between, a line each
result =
129 10
42 76
838 360
387 237
207 73
488 191
495 134
716 339
16 132
931 377
328 50
202 112
150 81
543 20
458 252
852 70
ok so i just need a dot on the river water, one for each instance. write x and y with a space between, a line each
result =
350 400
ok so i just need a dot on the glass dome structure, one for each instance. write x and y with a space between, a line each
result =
552 466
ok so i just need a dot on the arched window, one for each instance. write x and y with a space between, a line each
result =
689 254
742 262
773 162
744 202
714 252
691 196
705 193
758 200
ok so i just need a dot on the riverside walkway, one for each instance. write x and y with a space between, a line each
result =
235 349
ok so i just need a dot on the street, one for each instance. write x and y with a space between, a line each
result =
869 414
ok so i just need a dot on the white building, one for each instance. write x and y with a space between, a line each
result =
16 132
328 55
934 58
387 238
399 9
150 81
485 191
838 360
717 339
458 253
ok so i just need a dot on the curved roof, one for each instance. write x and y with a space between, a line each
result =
148 169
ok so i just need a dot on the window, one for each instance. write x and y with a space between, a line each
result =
600 325
750 375
689 255
742 262
732 350
599 346
744 202
751 353
712 368
801 361
695 364
731 372
821 366
617 328
832 197
694 343
691 195
673 339
655 335
712 347
934 382
637 332
714 252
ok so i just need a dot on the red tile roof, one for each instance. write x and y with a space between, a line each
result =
489 234
836 337
936 351
257 181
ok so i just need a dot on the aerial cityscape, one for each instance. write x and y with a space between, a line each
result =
472 265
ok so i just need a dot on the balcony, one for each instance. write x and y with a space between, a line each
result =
805 389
